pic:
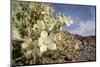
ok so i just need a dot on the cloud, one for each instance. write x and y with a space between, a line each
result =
84 28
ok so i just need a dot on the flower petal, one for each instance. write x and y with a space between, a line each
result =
40 40
44 34
52 46
43 48
52 36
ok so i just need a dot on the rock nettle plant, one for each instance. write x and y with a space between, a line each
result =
36 31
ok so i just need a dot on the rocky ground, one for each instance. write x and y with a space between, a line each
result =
86 52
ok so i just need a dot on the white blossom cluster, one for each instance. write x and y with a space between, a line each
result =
35 25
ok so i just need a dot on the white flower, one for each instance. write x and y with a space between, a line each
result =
70 21
46 42
67 20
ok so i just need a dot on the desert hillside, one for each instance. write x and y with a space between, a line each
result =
86 51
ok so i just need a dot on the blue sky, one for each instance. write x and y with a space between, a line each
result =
83 17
